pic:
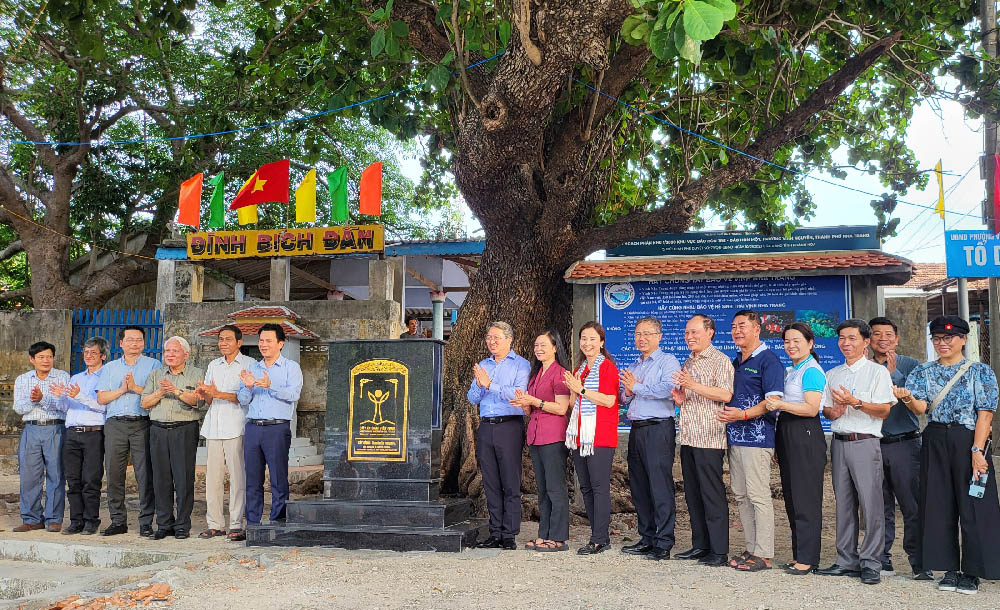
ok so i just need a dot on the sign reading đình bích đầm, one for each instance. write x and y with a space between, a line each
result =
348 239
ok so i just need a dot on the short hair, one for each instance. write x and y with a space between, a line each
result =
39 347
141 330
749 314
861 325
706 320
181 341
651 320
503 327
412 319
236 331
279 333
100 343
883 321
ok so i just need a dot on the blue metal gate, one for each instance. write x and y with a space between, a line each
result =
107 323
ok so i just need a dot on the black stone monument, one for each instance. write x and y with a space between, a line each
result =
382 457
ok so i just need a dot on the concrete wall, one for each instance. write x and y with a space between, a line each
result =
18 330
584 310
910 315
331 320
864 297
143 296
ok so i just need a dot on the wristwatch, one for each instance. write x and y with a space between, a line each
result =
860 404
583 391
976 449
541 406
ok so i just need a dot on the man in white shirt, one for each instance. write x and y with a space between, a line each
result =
223 432
857 398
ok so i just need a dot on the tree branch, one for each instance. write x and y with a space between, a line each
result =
286 28
15 247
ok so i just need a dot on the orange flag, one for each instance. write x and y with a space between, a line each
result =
189 202
269 183
371 190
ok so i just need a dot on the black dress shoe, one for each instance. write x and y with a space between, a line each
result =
163 533
114 530
146 531
490 543
74 528
508 544
836 570
638 549
921 574
90 529
181 534
592 548
870 576
692 554
658 554
714 559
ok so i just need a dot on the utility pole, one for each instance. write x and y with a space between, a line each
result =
988 19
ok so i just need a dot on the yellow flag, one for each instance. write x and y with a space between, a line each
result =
247 214
940 205
305 198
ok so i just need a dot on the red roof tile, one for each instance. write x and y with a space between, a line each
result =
685 265
253 328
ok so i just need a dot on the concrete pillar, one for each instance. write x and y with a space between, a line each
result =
910 315
281 279
166 272
380 284
437 313
864 298
240 292
189 282
398 264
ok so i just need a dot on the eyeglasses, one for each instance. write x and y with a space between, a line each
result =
944 339
647 334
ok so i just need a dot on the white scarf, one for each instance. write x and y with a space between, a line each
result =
584 413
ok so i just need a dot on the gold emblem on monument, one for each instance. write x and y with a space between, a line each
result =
380 394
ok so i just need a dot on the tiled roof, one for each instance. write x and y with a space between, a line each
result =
933 276
265 312
253 328
692 265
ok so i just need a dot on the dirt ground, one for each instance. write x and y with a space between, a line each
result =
229 575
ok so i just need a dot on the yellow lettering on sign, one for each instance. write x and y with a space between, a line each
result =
351 239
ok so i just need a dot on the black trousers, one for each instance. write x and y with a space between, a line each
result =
553 497
266 447
83 467
801 450
706 498
122 438
172 452
651 482
901 483
947 508
594 474
498 451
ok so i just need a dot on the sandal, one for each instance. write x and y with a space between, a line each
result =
753 564
551 546
736 561
237 536
211 533
532 545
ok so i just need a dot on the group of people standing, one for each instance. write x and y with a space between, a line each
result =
135 407
752 410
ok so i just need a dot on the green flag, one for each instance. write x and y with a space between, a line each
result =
336 181
217 207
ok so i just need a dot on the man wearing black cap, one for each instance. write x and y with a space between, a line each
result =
960 398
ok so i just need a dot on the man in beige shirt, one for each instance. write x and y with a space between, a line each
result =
171 398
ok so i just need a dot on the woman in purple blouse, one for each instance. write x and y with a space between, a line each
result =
546 403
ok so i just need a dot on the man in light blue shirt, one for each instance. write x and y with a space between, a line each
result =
83 451
500 438
269 391
126 430
42 407
646 388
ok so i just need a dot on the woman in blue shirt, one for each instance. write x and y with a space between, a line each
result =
801 447
960 398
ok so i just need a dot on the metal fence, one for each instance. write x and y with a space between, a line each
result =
107 323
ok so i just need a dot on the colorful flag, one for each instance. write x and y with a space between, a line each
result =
248 213
371 190
189 201
940 204
336 182
305 198
217 205
996 193
267 184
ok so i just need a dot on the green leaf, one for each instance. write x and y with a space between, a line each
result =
388 8
504 32
391 46
631 22
665 18
640 31
378 15
378 42
702 21
439 77
687 47
723 157
399 29
726 7
661 42
448 57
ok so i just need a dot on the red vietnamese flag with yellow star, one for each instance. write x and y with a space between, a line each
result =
267 184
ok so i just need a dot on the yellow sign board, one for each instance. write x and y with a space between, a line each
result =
286 242
377 410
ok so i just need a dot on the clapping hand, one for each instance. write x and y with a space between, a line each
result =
168 387
574 384
902 393
482 377
263 382
247 378
837 410
685 380
843 396
522 400
890 361
72 390
629 380
678 395
131 385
